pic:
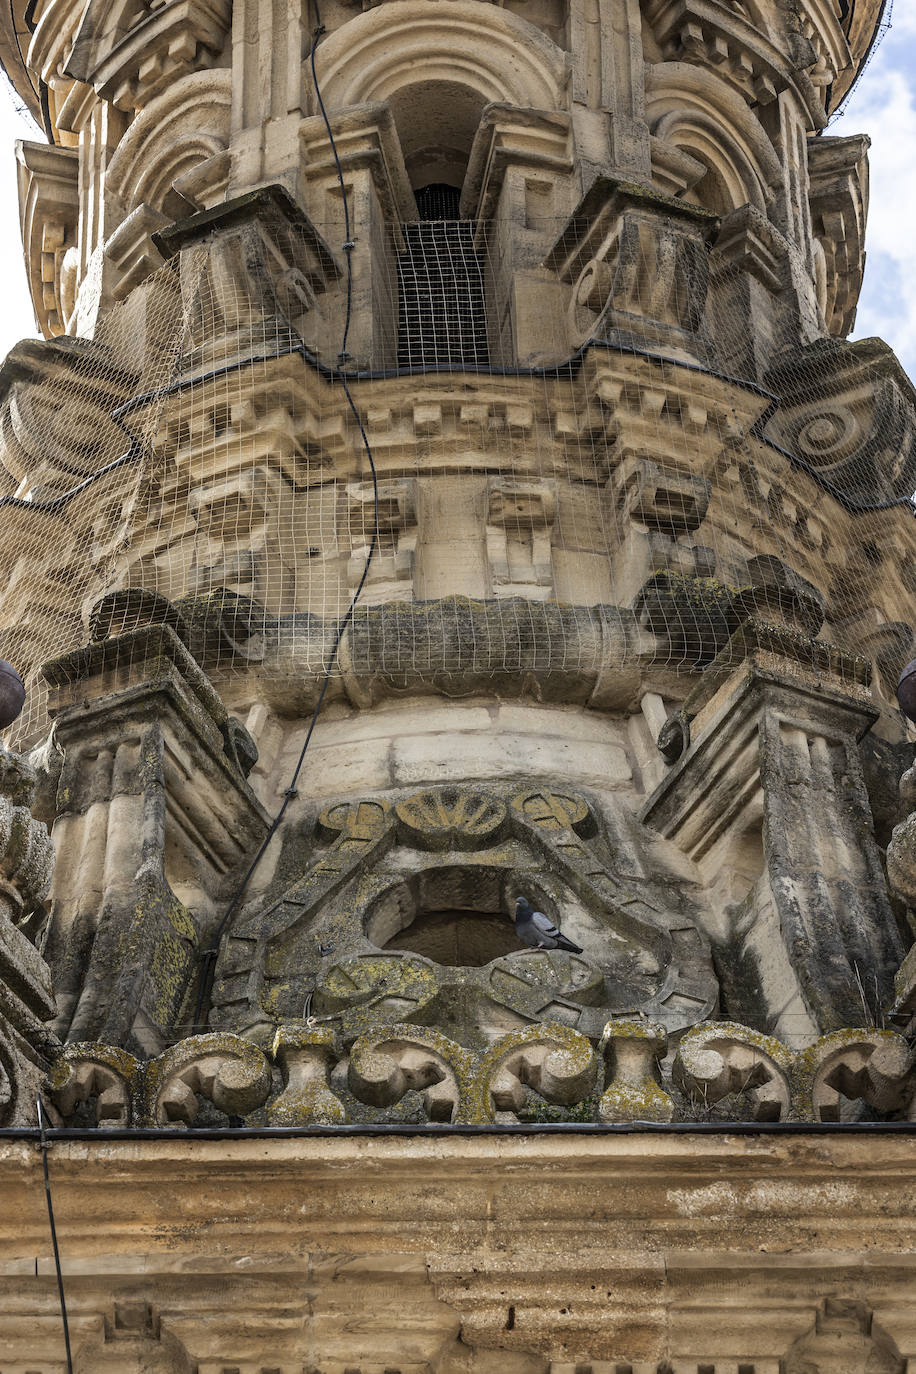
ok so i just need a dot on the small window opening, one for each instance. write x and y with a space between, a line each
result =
458 916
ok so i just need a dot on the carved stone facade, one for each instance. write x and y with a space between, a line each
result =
445 478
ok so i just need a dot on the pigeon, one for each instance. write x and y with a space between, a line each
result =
537 930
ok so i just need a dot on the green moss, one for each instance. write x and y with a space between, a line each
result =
643 1101
537 1110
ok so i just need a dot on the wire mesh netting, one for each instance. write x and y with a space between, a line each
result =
576 459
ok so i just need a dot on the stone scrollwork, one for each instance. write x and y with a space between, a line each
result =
354 820
649 280
98 1076
374 983
842 405
556 1063
590 295
871 1066
404 1073
382 1068
229 1072
721 1060
552 811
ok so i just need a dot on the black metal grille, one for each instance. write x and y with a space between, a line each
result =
438 201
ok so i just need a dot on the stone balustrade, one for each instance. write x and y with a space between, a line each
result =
548 1073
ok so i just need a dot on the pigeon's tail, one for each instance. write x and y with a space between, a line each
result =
563 943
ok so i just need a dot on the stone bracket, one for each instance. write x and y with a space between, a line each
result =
638 264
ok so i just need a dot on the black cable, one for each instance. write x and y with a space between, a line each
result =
417 1130
210 954
60 1278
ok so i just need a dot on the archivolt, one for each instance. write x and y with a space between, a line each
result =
697 112
178 130
463 43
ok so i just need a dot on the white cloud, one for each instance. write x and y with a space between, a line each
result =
884 106
903 21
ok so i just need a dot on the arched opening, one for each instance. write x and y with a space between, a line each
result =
442 320
436 123
457 937
458 916
703 117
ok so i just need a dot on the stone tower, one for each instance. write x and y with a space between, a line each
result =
445 480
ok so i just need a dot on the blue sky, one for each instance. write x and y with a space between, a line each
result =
883 105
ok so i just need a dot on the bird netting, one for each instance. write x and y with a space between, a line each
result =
558 458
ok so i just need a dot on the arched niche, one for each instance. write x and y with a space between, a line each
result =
438 67
436 122
178 131
693 110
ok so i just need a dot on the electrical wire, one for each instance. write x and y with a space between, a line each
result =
208 959
43 1140
450 1129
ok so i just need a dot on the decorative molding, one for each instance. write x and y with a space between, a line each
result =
550 1073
